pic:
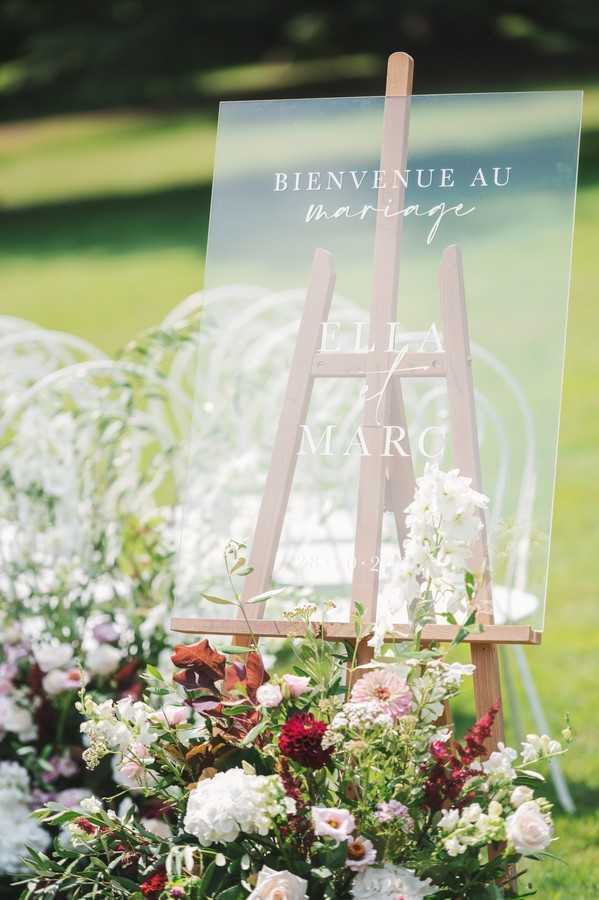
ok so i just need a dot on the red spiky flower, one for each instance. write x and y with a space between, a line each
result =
452 765
153 886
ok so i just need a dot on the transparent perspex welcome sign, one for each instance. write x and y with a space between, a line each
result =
494 174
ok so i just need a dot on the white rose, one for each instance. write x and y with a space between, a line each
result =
272 885
103 660
528 829
269 695
53 656
520 795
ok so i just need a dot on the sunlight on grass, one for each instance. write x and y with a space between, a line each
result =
262 76
95 155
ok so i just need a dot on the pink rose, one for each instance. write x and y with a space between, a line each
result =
297 684
175 715
269 695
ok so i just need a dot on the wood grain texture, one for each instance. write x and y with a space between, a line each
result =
269 524
332 631
466 457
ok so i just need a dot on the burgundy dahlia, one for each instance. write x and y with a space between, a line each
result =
301 740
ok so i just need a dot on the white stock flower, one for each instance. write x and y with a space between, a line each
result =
529 829
443 521
472 827
113 727
449 819
537 746
455 672
500 762
103 660
219 808
272 885
50 656
131 768
389 883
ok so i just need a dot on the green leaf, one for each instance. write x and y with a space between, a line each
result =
129 885
154 672
220 601
206 880
232 893
261 598
254 732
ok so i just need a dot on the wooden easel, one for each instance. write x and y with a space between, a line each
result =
385 482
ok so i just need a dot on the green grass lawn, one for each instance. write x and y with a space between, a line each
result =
103 224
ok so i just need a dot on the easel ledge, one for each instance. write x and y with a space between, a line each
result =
282 628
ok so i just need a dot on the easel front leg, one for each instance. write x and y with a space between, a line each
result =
286 444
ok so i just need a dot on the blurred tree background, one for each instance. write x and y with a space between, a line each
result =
108 116
81 54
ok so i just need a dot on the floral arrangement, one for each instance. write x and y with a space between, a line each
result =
326 780
87 538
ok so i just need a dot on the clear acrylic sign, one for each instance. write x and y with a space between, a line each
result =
494 174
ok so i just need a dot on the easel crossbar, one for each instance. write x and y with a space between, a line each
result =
344 631
331 364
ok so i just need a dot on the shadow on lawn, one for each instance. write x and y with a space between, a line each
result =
588 174
117 224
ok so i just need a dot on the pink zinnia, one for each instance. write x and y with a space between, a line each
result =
386 687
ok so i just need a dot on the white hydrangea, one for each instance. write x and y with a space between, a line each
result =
390 882
219 808
18 829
